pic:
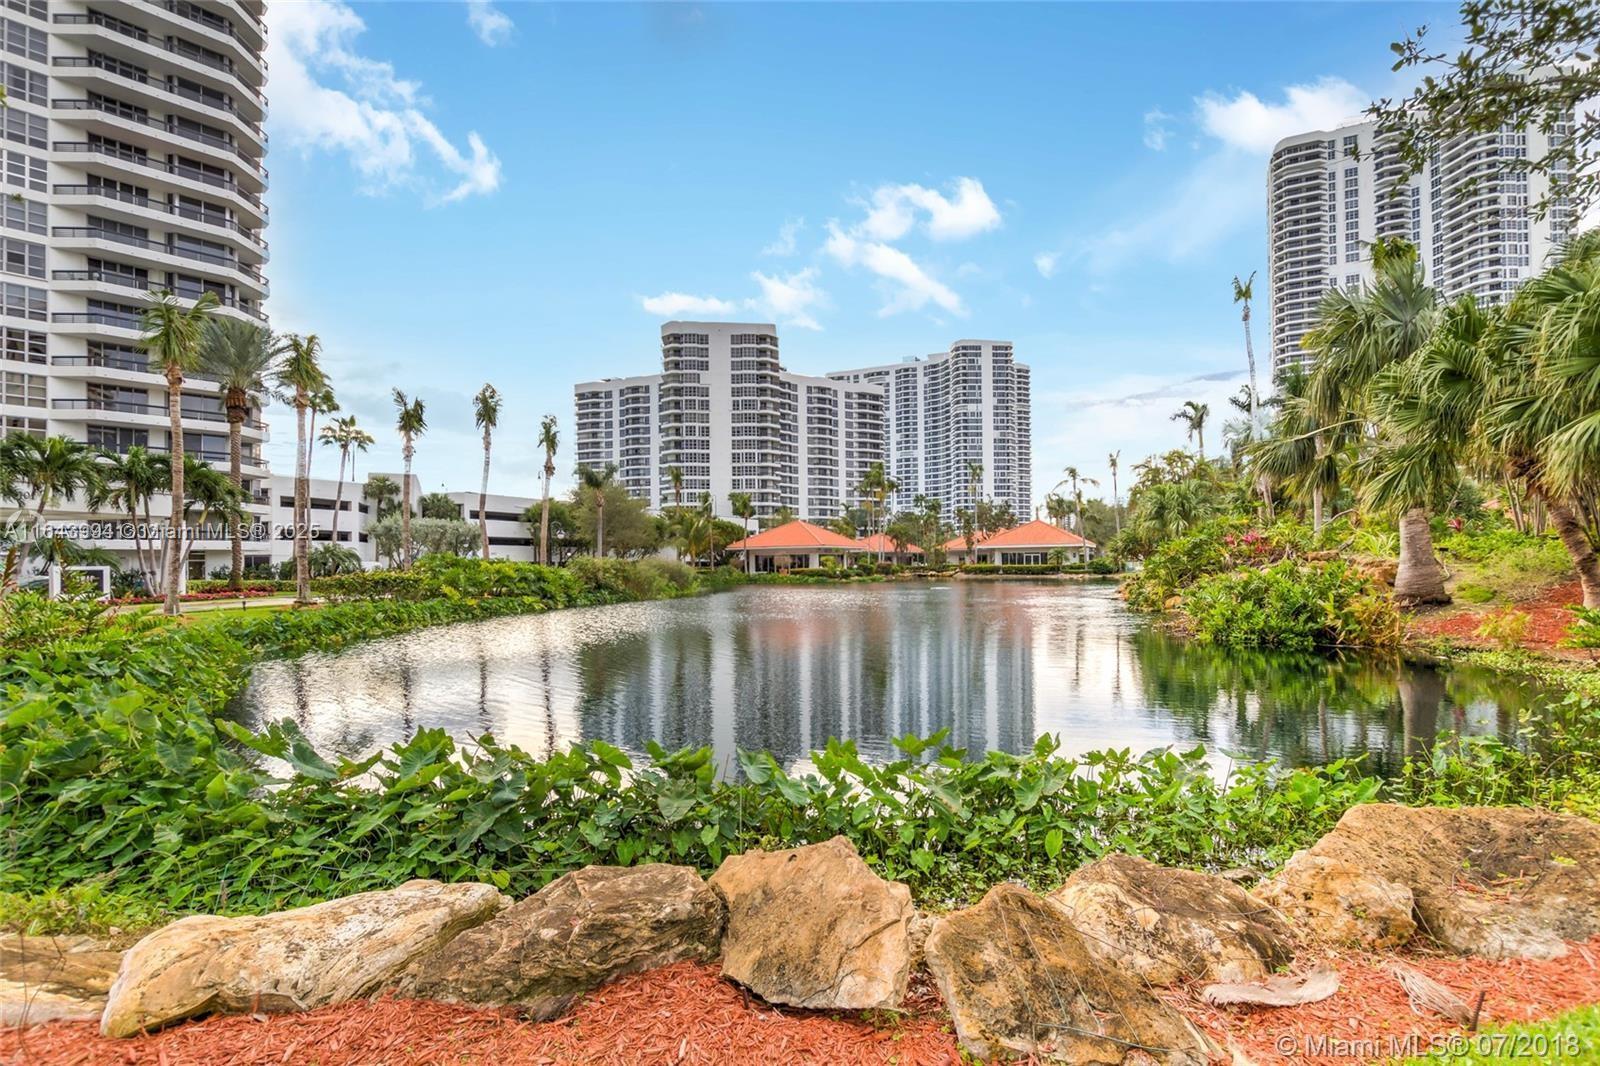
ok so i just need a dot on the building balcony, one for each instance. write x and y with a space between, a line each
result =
103 119
144 210
125 40
156 412
155 94
162 255
196 181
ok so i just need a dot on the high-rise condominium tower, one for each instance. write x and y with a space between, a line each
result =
728 418
958 426
132 163
1331 193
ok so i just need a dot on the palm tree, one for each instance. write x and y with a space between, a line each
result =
382 491
1299 451
133 478
48 470
411 422
213 493
172 338
301 376
1194 414
743 509
974 481
1243 293
345 434
548 440
239 355
1359 333
1071 474
1116 500
1058 508
675 476
321 402
597 481
486 414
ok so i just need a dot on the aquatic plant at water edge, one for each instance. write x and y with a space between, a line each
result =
1292 605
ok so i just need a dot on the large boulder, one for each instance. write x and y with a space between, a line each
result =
1333 902
814 927
291 960
1500 882
54 978
1165 925
1016 977
578 932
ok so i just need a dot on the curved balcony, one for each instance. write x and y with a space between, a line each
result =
124 39
155 253
192 180
152 93
145 210
111 122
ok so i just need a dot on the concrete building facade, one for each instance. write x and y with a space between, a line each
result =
958 424
131 163
1331 193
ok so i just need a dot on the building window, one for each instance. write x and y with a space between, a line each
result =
22 345
31 426
21 257
22 390
25 215
23 40
23 128
22 301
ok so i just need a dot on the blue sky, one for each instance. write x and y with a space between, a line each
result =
521 193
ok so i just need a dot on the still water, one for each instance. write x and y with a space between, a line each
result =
783 669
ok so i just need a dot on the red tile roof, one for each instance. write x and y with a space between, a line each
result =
796 536
1035 534
880 543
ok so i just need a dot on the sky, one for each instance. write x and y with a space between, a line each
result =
519 193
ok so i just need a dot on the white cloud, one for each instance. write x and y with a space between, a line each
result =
1246 122
790 299
894 208
1219 194
785 244
673 304
493 26
1157 128
326 96
911 287
1046 263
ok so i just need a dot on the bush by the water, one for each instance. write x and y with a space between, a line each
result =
1292 605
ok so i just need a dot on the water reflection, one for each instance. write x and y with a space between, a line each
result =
785 669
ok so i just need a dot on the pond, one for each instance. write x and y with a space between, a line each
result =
785 668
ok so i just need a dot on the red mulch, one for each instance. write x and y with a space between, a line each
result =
1548 618
1371 1006
687 1014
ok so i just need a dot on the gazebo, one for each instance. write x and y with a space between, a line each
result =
795 545
1030 544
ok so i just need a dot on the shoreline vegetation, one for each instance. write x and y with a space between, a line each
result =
125 798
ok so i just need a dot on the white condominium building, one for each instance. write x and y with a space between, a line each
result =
1331 193
958 425
132 162
726 415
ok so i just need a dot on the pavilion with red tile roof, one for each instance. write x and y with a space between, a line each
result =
882 547
794 545
1030 543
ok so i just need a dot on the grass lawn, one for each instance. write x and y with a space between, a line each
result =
1572 1037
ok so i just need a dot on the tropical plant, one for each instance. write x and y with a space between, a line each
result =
383 493
1114 460
47 470
595 482
346 435
172 337
486 415
411 422
1243 293
1193 415
744 510
438 505
1075 478
239 356
675 478
209 494
132 479
548 440
301 377
320 402
1057 508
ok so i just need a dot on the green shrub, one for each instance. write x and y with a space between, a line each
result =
1505 628
1294 606
1585 629
1470 592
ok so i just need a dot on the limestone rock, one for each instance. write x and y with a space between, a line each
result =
1333 902
1500 882
1165 925
290 960
54 978
814 927
575 934
1016 977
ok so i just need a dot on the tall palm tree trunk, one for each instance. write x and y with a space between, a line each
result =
338 494
1577 543
235 475
1419 578
483 498
175 451
600 525
1316 508
544 522
405 508
302 508
749 556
